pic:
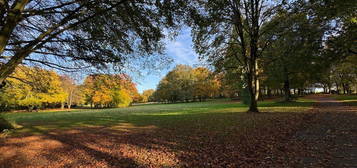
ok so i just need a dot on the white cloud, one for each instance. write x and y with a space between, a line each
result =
181 49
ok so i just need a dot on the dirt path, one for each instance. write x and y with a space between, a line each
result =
330 138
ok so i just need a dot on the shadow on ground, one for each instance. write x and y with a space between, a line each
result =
222 139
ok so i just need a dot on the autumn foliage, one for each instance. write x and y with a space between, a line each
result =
32 87
102 90
185 83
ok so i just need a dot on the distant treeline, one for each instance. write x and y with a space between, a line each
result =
186 84
33 88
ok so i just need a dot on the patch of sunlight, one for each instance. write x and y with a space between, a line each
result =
129 127
169 113
229 110
350 100
15 125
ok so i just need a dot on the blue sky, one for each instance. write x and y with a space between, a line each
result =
180 50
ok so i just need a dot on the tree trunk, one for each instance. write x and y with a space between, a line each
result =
29 108
12 19
253 87
337 88
62 105
70 97
287 85
287 90
269 92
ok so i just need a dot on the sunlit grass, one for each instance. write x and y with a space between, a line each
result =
212 115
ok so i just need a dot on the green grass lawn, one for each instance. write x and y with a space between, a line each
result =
211 115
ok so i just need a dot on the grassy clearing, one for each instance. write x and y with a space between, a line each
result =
349 99
198 134
211 115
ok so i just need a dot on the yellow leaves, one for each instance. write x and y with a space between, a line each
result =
109 90
147 95
102 96
29 86
206 85
122 98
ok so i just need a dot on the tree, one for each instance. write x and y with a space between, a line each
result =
205 85
70 87
185 83
176 85
73 34
293 56
127 84
103 90
233 28
33 87
121 98
339 47
147 95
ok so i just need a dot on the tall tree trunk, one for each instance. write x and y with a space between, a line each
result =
62 105
287 86
287 95
253 87
12 19
70 97
337 88
269 92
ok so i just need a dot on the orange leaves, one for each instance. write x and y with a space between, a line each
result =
109 90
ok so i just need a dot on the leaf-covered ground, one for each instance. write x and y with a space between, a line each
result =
197 135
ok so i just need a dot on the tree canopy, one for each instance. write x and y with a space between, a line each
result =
102 90
185 83
74 34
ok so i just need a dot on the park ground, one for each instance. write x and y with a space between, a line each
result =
314 131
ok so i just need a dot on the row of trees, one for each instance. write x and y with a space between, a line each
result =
263 47
273 44
32 88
